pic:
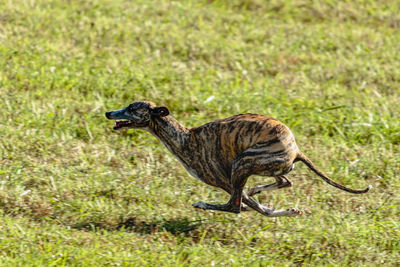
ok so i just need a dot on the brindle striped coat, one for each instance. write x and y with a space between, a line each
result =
225 152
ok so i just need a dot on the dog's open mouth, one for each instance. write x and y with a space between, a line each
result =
121 124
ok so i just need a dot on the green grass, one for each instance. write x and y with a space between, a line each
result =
74 192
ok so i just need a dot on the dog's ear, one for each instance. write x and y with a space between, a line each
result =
159 111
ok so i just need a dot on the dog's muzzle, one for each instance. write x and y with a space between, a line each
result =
108 115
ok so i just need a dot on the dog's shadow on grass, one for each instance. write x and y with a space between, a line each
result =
133 224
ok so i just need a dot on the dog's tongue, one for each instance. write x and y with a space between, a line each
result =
120 123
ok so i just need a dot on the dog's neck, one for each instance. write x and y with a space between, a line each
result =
171 133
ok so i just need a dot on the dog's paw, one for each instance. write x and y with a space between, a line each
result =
294 212
200 205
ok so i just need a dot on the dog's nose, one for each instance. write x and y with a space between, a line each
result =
108 115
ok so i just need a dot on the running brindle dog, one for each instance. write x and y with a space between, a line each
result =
224 153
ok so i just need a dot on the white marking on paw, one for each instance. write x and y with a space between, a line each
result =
294 212
286 213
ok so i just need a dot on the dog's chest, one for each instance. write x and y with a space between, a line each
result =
203 167
190 169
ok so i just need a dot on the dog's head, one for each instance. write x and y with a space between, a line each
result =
136 115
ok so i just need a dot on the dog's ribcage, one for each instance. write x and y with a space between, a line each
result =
208 151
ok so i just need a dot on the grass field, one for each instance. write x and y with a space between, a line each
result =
73 192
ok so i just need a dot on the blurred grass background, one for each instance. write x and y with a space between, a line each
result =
74 192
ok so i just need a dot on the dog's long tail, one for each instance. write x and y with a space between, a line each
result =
310 165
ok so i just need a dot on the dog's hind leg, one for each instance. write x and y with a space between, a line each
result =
281 182
268 211
268 164
245 165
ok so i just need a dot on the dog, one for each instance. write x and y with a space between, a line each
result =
225 152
